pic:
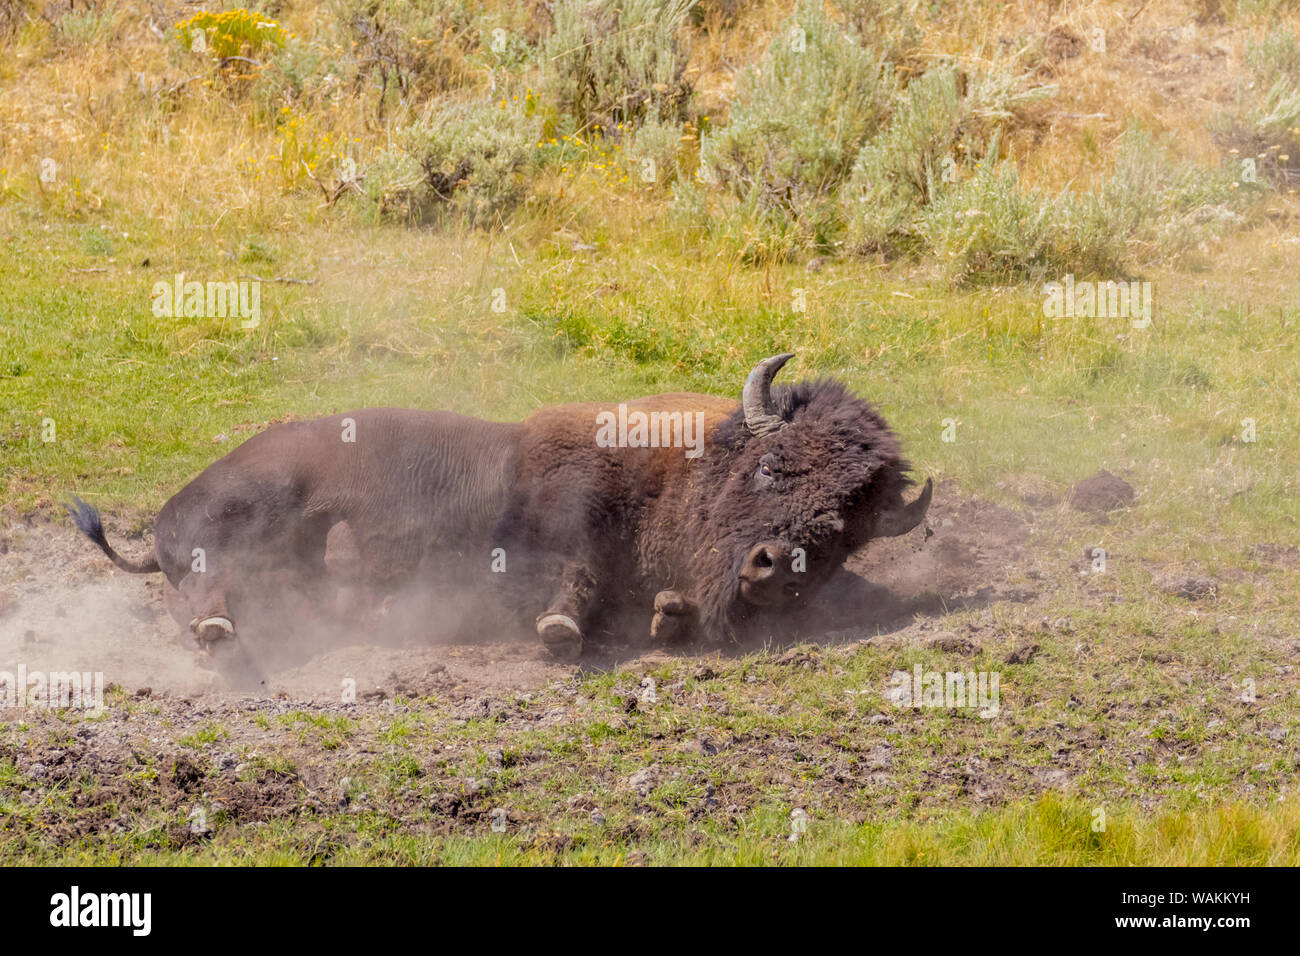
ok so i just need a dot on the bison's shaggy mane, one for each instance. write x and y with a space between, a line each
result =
829 403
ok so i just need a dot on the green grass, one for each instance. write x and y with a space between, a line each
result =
1046 832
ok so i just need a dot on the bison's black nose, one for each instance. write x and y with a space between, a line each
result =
768 575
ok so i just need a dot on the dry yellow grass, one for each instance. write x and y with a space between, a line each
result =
123 111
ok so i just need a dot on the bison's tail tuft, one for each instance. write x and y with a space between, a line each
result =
86 518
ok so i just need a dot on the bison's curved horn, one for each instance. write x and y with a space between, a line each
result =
760 414
904 517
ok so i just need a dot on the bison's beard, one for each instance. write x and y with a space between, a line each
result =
725 616
752 595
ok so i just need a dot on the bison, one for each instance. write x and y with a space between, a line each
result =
707 516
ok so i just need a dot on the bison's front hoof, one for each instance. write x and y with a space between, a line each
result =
561 635
674 620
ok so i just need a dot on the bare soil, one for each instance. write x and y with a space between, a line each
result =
64 607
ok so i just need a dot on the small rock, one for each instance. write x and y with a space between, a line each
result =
643 781
879 758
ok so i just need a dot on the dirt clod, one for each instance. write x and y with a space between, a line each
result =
950 643
185 774
1022 654
704 747
1193 587
1100 493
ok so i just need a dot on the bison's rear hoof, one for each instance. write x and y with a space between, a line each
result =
212 630
561 635
221 649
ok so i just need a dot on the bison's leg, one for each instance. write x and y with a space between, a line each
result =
560 625
344 567
205 593
177 606
675 618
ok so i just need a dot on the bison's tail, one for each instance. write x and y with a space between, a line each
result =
86 518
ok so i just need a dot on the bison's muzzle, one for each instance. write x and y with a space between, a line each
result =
769 575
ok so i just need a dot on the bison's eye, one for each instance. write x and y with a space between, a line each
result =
765 476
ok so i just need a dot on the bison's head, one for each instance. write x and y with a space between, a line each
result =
796 481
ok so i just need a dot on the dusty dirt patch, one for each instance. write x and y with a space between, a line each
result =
63 607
